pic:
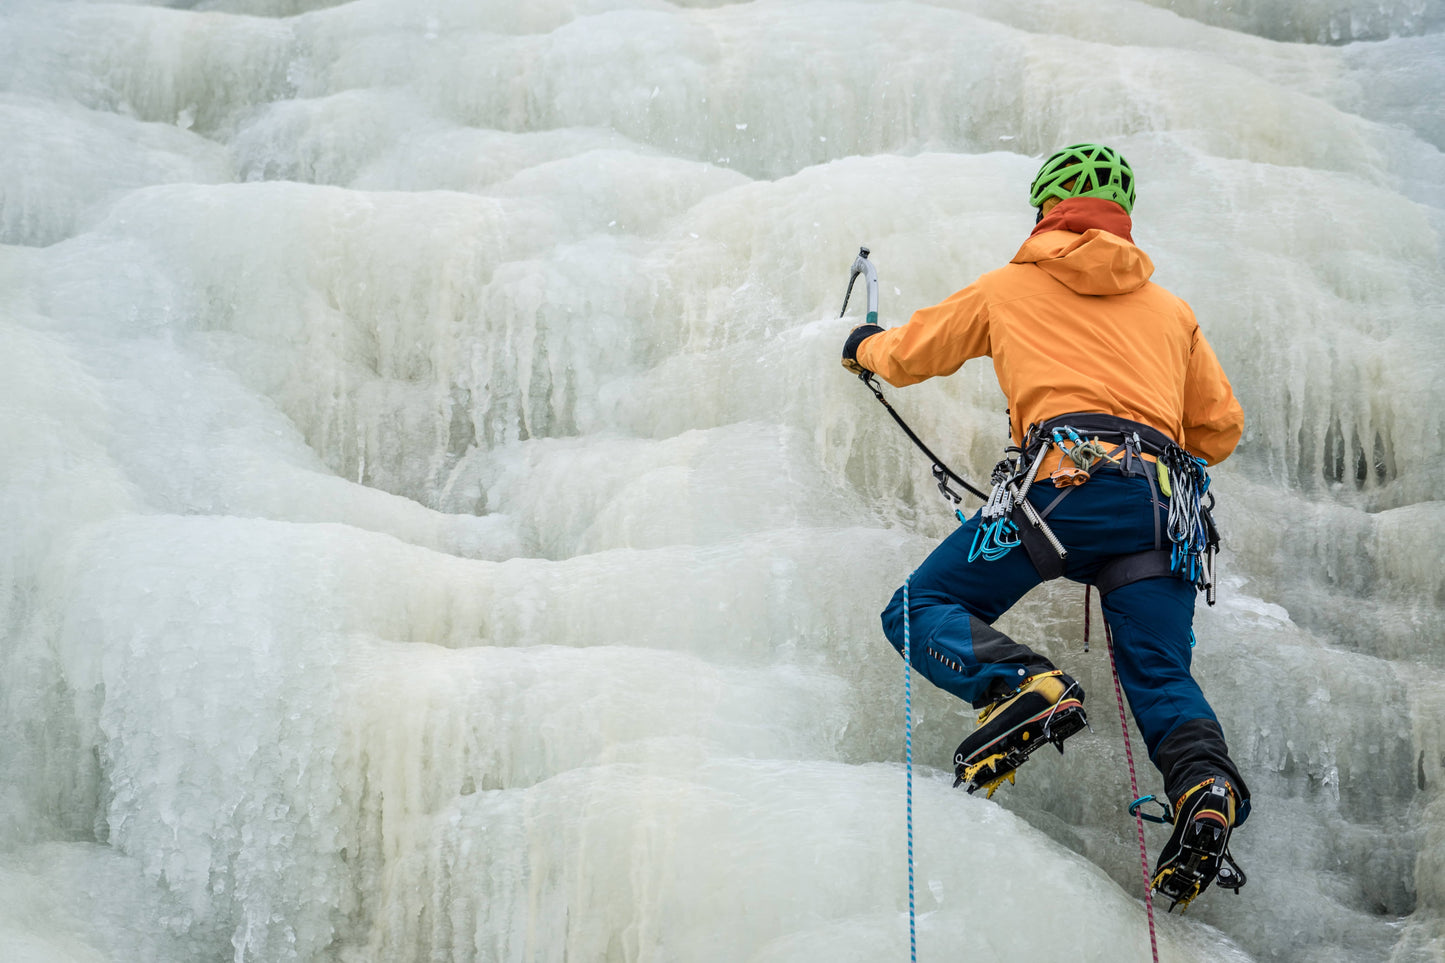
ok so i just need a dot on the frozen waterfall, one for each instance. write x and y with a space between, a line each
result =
434 524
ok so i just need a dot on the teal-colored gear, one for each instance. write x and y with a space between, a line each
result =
1089 170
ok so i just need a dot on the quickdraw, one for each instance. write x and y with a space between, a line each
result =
997 534
1194 539
1000 531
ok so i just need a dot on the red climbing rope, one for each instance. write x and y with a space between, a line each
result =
1133 778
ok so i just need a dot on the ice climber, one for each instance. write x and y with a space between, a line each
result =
1116 398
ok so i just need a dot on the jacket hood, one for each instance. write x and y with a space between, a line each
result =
1085 244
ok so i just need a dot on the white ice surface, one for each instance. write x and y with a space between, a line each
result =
433 523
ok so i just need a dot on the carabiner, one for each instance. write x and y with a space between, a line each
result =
1134 806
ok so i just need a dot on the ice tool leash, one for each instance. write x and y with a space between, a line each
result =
1005 507
942 474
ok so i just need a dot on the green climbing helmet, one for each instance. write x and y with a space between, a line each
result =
1096 171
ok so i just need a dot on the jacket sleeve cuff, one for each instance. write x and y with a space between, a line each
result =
856 337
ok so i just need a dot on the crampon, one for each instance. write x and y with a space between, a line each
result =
1013 728
1197 853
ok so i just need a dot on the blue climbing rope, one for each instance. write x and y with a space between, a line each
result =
908 754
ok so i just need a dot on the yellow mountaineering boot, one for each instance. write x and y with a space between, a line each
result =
1047 708
1197 853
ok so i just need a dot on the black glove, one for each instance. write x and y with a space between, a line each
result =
850 347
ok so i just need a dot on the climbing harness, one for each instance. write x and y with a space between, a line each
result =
1177 480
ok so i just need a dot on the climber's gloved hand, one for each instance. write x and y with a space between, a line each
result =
850 347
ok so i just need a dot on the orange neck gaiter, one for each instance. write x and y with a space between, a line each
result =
1080 214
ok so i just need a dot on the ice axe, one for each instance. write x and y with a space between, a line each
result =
941 472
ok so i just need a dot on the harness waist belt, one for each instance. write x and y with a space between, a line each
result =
1106 427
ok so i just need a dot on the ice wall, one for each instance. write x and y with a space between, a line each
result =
434 524
1321 21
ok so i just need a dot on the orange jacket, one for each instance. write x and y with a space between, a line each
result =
1073 324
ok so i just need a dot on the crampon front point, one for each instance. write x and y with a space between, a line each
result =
1196 868
987 766
1197 853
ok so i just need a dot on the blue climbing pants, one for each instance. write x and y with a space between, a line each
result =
954 601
